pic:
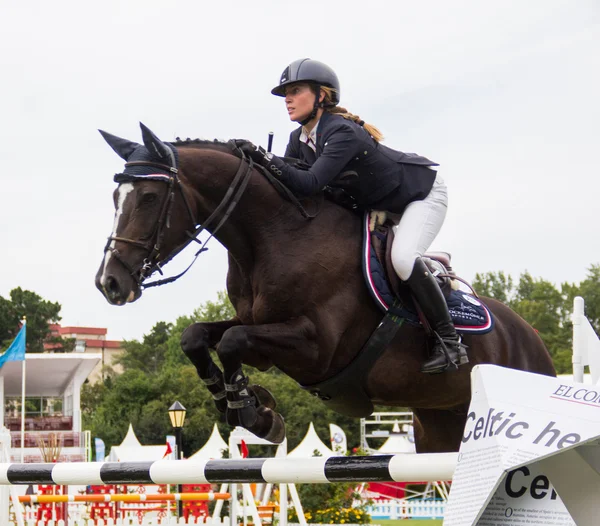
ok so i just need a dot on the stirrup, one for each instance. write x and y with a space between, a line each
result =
460 353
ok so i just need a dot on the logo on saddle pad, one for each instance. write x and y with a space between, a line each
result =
472 300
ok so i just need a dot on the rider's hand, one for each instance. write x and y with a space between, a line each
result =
256 153
260 156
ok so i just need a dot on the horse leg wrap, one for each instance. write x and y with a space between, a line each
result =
241 404
216 387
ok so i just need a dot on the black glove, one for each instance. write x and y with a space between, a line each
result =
259 155
256 153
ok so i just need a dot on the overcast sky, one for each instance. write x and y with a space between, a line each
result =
503 94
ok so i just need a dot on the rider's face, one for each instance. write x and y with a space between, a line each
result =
299 101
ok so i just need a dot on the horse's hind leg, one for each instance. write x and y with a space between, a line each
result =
196 341
290 343
439 430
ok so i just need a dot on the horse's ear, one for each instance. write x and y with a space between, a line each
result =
123 147
155 146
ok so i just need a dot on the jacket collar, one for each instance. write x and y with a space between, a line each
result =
325 118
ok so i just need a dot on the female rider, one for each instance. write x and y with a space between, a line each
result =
332 142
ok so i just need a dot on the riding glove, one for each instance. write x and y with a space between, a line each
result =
260 156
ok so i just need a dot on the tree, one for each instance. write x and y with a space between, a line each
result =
495 285
589 289
545 307
149 355
40 314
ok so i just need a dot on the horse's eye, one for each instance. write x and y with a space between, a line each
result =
149 198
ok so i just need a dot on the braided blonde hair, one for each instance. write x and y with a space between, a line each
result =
373 131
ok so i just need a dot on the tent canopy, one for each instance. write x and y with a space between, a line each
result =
311 443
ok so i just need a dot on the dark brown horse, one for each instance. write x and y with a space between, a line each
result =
296 285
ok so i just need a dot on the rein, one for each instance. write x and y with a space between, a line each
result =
151 262
226 206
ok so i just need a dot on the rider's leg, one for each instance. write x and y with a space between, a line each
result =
448 351
418 227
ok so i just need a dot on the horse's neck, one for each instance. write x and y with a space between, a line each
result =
211 174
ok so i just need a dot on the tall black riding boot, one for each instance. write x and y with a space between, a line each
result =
448 351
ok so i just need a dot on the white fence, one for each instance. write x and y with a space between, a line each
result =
407 509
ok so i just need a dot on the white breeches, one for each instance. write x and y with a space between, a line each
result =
418 226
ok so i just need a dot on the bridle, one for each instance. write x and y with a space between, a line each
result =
152 262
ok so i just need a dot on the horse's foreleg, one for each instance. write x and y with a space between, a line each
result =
196 341
292 342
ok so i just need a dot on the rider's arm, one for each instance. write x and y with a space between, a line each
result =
340 147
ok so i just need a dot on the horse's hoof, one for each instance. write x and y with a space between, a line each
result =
264 397
276 433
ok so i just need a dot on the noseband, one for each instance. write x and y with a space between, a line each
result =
152 262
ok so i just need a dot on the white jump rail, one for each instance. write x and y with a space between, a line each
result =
403 467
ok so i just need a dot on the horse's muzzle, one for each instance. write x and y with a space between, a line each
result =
115 291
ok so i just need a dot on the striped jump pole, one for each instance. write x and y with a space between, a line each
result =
404 467
133 497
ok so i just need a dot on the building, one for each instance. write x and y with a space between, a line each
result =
53 380
91 340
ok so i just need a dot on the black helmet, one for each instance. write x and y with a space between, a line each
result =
307 70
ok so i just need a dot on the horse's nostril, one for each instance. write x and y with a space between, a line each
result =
111 286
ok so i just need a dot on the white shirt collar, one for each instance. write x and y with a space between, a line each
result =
312 136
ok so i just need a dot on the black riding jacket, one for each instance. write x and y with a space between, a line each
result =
347 157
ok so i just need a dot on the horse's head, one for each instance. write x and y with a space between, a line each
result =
151 221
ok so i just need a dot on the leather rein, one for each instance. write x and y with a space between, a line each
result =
152 261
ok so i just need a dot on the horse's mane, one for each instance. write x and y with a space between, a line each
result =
215 144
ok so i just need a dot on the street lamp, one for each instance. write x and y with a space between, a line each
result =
177 416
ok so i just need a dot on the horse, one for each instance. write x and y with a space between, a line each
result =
296 283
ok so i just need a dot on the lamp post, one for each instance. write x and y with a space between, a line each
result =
177 416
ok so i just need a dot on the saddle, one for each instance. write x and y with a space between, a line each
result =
468 313
439 263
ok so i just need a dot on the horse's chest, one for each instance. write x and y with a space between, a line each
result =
263 309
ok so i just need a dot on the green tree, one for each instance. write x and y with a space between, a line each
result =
545 307
148 355
495 285
589 289
40 314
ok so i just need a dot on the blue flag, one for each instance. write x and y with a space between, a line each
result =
100 449
16 351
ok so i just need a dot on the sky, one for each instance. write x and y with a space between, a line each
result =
503 94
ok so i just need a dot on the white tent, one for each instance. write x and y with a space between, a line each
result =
213 448
309 444
398 442
130 450
130 440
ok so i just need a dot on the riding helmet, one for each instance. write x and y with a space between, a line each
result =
307 70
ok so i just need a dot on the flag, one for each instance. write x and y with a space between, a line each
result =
16 351
100 449
168 451
244 449
172 446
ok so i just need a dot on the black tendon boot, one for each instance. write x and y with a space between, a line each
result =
448 351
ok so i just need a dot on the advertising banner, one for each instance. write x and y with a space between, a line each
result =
529 452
